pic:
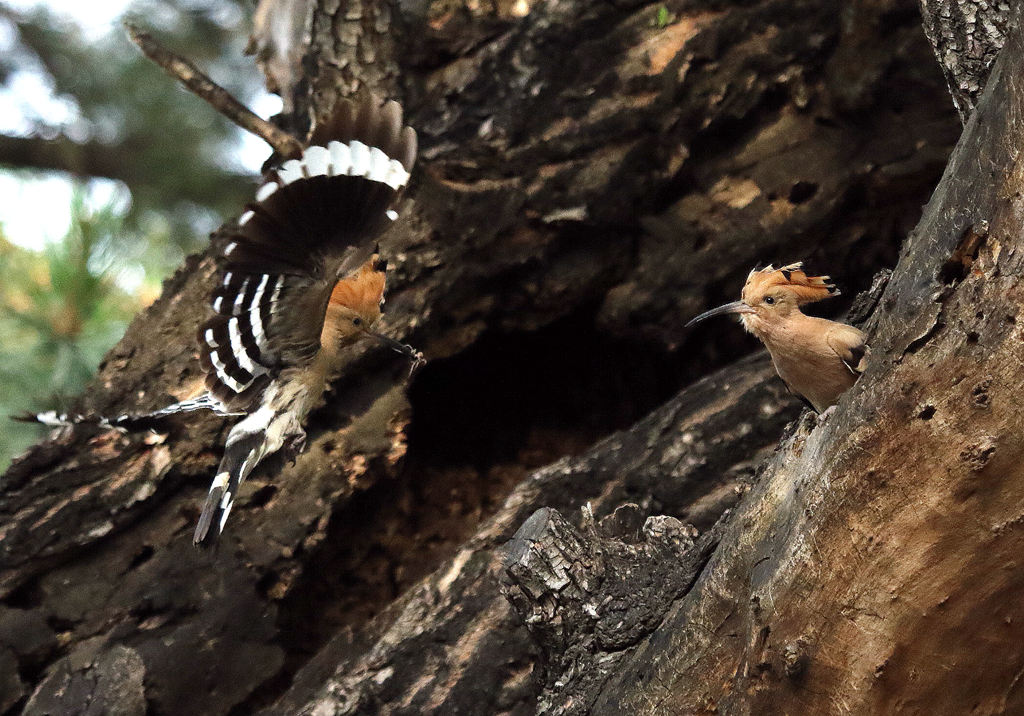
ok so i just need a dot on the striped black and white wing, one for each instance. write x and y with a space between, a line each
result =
312 222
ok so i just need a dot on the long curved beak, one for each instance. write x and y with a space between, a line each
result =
408 351
734 307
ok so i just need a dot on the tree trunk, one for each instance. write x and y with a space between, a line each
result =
591 175
876 563
967 36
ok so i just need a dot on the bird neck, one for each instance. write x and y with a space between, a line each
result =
776 331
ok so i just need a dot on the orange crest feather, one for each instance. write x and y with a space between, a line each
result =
363 290
805 288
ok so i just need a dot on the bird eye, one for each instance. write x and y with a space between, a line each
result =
769 300
357 321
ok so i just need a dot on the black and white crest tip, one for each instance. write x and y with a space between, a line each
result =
311 219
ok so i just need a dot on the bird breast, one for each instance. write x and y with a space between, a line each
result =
809 365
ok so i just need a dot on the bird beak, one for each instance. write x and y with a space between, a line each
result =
734 307
408 351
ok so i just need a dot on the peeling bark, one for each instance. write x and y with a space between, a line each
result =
587 597
453 645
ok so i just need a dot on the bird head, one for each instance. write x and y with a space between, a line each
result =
356 301
355 307
771 295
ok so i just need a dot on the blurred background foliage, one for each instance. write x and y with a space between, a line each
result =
142 170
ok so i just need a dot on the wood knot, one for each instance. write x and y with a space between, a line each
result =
977 455
795 659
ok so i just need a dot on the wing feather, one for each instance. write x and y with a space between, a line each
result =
850 344
312 223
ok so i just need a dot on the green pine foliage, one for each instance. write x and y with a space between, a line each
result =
174 152
61 309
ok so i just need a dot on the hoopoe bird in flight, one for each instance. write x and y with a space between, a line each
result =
817 359
300 280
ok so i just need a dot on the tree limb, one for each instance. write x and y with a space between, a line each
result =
587 596
62 154
873 564
588 178
219 98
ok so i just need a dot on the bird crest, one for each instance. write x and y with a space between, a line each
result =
363 291
806 289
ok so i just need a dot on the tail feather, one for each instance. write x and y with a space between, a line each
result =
127 421
251 440
53 419
210 508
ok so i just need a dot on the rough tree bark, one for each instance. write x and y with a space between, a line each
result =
967 36
591 174
876 564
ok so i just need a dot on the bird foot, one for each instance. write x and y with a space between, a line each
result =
293 446
824 415
417 360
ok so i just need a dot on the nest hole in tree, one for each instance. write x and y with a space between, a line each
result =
482 420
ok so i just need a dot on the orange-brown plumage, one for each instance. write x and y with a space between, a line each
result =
804 288
363 290
354 305
818 359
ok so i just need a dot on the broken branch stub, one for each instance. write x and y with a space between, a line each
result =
589 595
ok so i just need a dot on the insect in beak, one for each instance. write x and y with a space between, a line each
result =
734 307
408 351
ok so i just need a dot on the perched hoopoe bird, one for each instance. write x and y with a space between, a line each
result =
817 359
300 279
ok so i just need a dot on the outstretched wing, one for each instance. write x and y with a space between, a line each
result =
312 222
